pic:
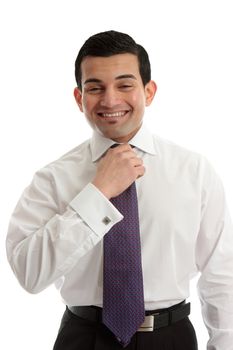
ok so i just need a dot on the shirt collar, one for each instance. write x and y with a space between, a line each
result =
143 140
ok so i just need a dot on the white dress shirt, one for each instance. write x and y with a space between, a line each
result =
56 231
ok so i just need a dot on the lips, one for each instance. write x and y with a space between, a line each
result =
117 114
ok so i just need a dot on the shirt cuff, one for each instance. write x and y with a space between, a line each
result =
96 210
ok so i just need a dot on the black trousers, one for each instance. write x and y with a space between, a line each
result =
77 333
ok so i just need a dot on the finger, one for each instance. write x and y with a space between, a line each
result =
136 162
140 171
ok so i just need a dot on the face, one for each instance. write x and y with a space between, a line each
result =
113 97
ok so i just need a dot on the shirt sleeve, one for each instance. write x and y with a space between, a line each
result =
214 256
44 244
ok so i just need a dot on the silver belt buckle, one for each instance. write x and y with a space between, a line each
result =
148 324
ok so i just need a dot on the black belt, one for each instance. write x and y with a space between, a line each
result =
153 320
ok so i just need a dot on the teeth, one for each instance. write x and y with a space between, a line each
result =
116 114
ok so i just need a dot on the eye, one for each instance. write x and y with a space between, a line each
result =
94 89
126 86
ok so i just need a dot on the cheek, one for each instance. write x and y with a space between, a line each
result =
138 100
87 104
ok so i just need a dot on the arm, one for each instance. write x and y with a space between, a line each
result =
214 256
44 243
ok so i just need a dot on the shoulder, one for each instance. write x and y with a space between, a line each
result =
180 157
169 149
68 163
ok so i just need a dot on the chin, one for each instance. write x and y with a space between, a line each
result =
111 135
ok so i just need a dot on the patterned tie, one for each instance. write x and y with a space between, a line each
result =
123 299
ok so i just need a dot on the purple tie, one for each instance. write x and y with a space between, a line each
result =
123 299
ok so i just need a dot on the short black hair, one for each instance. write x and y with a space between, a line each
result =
111 43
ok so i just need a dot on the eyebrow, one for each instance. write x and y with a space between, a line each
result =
126 76
123 76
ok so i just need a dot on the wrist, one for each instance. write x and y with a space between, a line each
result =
102 189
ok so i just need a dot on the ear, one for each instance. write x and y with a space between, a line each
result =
78 98
150 90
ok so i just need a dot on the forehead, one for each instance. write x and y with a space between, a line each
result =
105 68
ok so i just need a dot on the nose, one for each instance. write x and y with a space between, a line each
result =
110 98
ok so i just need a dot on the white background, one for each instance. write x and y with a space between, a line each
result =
190 47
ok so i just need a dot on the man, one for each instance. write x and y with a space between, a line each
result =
73 225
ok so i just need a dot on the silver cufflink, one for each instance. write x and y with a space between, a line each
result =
106 220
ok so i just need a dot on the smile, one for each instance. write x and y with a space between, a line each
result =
113 114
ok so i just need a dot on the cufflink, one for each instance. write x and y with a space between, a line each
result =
106 220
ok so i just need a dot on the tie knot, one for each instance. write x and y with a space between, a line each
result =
118 144
115 145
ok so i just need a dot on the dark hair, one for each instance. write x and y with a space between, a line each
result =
111 43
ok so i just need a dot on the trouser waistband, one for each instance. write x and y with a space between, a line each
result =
154 319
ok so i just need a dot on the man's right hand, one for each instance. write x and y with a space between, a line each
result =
117 170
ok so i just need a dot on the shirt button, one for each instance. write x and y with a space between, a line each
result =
106 220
